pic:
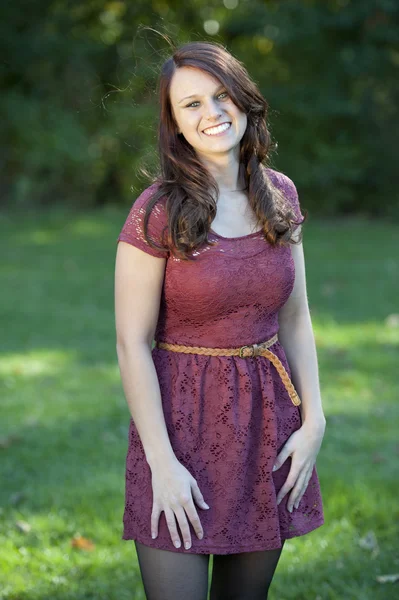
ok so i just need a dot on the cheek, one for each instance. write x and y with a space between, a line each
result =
190 123
243 124
239 116
243 120
184 121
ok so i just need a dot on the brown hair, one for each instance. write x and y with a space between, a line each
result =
184 180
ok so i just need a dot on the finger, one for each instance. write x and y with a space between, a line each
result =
194 519
197 495
282 457
184 527
300 482
171 522
300 495
305 487
288 484
154 521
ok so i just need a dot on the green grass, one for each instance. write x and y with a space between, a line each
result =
63 431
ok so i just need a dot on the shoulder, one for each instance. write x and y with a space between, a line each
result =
282 182
157 215
287 187
144 198
136 232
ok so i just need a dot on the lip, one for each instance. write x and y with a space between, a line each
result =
218 125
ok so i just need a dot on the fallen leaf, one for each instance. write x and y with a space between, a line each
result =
7 441
388 578
369 541
82 543
23 526
392 320
378 458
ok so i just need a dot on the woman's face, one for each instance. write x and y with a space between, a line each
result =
204 113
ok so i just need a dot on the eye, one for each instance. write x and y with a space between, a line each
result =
223 94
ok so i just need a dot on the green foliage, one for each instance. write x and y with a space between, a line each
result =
79 108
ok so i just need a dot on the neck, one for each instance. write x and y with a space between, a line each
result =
227 172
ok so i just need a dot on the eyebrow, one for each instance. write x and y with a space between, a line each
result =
196 95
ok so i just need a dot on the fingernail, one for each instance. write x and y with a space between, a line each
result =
153 535
206 505
200 536
177 544
275 468
290 509
187 545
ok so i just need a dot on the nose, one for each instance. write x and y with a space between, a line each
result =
212 111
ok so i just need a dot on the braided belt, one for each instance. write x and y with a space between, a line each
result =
243 352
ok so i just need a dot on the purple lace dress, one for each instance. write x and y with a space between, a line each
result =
227 417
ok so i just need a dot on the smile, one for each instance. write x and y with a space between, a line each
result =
219 129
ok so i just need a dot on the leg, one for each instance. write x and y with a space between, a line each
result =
244 576
169 575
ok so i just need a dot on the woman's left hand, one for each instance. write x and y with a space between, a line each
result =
303 447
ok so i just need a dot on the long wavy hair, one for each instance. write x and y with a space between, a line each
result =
190 190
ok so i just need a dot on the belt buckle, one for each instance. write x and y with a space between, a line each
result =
243 348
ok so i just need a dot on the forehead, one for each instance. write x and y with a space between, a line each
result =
187 81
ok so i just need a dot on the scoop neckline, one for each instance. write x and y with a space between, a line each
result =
240 237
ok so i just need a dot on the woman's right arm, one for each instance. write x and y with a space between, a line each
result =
137 300
138 287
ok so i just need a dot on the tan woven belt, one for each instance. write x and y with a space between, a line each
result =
244 352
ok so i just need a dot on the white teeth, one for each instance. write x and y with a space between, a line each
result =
218 129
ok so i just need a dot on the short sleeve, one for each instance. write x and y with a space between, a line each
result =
133 230
287 187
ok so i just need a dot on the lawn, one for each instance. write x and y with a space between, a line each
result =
63 431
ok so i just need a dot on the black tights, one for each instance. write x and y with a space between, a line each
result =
169 575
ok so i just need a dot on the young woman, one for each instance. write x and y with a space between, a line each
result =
226 411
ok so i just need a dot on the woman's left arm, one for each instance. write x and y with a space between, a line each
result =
297 338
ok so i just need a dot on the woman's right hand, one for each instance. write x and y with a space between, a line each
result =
174 489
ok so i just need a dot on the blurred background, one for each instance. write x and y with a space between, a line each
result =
78 119
78 103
